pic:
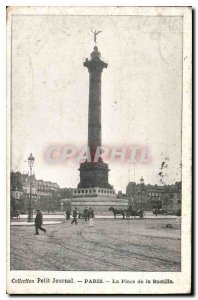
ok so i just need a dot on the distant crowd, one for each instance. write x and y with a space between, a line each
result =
87 214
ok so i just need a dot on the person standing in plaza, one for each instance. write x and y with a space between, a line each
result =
74 216
91 212
68 212
39 222
86 214
91 216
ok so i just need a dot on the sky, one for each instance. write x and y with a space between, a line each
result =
141 92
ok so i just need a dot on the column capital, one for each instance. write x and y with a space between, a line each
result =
95 65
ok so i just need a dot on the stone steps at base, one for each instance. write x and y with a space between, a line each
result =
99 199
106 204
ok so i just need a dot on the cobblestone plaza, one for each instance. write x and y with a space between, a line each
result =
110 245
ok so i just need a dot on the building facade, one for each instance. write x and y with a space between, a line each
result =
149 197
46 195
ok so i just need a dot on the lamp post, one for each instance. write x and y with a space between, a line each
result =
166 202
70 194
141 189
30 209
70 197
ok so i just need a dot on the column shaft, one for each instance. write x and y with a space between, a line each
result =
94 122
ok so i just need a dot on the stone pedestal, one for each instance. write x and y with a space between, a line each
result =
94 174
99 199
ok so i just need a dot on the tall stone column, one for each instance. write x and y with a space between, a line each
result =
95 67
94 174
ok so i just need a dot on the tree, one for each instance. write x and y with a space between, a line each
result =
163 175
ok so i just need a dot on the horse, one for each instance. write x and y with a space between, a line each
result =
117 211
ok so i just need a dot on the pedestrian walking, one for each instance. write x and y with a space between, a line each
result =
74 216
91 212
68 212
39 222
86 214
91 216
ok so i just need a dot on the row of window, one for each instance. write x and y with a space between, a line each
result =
150 194
93 191
42 188
49 194
49 184
18 195
171 202
154 194
33 196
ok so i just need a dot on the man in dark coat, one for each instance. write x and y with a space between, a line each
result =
39 222
86 214
74 216
91 212
68 212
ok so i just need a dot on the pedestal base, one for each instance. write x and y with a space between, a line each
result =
94 174
100 205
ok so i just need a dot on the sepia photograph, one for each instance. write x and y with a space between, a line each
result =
99 150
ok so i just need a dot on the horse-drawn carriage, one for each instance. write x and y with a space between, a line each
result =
127 213
158 211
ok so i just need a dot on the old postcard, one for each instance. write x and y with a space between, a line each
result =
99 150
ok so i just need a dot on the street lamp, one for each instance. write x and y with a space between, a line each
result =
70 197
141 189
70 194
166 202
30 209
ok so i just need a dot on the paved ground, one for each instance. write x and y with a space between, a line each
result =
111 245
